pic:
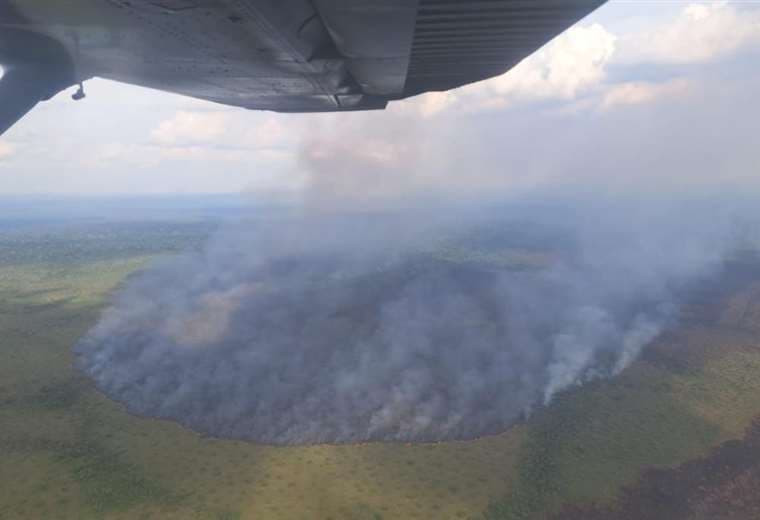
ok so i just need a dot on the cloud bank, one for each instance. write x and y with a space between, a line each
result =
700 33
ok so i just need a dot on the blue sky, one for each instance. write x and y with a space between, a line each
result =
641 95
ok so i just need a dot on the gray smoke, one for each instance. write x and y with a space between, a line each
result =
426 320
405 326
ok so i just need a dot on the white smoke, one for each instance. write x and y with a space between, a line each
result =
354 327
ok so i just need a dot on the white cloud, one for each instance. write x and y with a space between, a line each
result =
228 155
190 128
700 33
223 129
272 132
426 105
636 93
6 150
571 64
573 67
125 154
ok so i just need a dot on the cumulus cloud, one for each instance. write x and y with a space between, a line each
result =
6 150
223 129
190 128
576 65
572 64
635 93
430 104
700 33
575 61
131 154
146 156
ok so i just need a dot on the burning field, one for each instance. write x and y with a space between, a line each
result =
365 327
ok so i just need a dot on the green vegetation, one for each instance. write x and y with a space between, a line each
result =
99 241
670 407
66 451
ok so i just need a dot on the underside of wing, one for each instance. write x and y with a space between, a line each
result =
282 55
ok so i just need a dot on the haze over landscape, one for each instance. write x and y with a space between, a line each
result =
410 326
493 265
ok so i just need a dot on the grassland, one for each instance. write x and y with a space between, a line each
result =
66 451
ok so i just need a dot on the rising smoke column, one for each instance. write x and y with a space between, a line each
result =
353 327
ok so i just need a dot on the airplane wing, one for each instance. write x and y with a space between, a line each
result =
281 55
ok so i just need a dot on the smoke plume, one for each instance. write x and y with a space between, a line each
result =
410 325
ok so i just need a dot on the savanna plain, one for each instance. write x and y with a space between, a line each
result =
675 435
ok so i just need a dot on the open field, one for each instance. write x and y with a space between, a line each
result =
67 451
